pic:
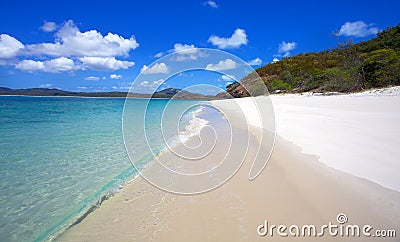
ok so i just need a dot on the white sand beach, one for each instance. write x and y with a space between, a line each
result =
333 154
357 133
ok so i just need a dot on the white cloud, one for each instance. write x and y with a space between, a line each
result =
71 42
358 29
9 46
60 65
185 48
92 78
159 82
71 50
285 47
47 85
237 39
155 69
30 65
159 54
228 77
122 86
144 83
48 26
211 4
186 52
275 60
104 63
226 64
63 64
152 84
57 65
115 76
256 62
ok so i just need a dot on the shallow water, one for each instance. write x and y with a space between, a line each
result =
58 157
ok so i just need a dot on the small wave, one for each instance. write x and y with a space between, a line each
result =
119 182
194 126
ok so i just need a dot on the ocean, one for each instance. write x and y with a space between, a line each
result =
60 157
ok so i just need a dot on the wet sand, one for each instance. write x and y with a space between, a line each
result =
294 189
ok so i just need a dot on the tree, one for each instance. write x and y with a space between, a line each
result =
382 68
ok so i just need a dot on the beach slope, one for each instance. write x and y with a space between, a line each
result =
299 185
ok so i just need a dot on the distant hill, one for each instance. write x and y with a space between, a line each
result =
179 94
166 93
57 92
348 68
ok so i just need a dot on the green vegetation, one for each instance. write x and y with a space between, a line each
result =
348 68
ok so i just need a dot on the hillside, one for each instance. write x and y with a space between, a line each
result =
179 94
348 68
166 93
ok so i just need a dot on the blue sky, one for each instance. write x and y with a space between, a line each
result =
103 46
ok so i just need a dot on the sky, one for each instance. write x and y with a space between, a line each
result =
105 45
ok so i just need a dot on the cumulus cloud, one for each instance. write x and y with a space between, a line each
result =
48 26
155 69
92 78
70 41
9 46
256 62
61 64
71 50
222 65
275 60
211 3
285 47
115 76
57 65
186 52
185 48
104 63
237 39
358 29
30 65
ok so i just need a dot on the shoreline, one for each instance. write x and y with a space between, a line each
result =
106 194
142 212
92 97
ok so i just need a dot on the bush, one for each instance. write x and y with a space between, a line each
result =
381 68
280 85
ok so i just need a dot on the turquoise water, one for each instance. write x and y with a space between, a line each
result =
59 157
